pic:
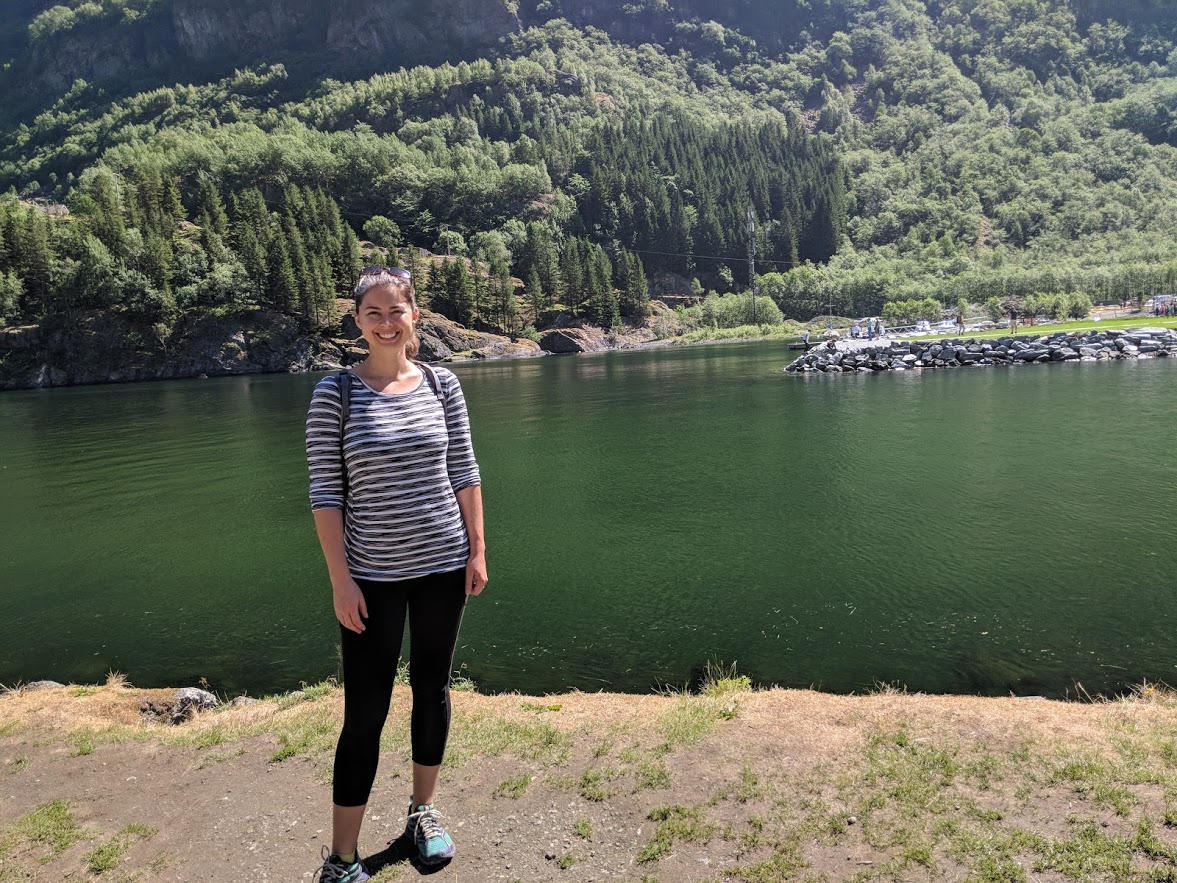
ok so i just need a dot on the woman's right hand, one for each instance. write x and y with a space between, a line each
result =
350 609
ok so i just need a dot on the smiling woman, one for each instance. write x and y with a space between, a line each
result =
397 504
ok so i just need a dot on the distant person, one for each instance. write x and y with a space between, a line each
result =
870 329
1013 319
880 329
399 517
805 338
960 323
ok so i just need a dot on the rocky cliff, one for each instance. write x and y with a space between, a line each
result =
179 40
105 349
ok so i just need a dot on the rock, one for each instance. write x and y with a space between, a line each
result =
574 340
41 685
191 696
432 349
189 700
510 349
241 701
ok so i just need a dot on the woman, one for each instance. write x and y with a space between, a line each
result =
398 510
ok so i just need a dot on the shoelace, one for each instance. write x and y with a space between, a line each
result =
427 822
336 872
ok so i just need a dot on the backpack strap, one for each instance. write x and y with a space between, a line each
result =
434 382
343 378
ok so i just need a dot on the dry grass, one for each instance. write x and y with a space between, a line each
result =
783 784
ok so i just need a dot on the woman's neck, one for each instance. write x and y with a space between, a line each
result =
385 366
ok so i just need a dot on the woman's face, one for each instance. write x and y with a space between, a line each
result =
386 318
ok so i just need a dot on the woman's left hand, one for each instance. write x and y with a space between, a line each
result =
476 574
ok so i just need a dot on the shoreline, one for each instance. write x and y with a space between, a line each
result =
904 354
44 380
729 783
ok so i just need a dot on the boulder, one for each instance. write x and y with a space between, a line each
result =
41 685
189 700
509 349
574 340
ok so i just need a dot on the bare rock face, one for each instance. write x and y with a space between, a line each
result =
443 340
108 352
400 28
456 338
234 33
574 340
385 29
204 27
509 349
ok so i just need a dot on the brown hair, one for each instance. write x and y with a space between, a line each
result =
403 286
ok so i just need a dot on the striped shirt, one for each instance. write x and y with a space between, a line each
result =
407 458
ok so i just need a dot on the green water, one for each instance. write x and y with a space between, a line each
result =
975 531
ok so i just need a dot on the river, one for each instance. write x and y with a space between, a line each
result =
978 531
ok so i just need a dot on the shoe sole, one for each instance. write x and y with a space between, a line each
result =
433 863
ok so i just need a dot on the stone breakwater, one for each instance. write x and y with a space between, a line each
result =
900 355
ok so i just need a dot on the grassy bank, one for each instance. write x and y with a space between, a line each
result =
725 784
1077 327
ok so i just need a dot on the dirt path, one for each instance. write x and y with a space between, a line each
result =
729 785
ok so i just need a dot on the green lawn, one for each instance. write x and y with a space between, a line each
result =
1039 330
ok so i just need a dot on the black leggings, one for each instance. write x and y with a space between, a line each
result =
434 605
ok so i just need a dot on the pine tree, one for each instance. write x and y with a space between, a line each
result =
535 293
212 208
479 292
156 260
348 259
572 273
461 293
11 294
631 280
281 283
602 306
106 217
35 260
502 294
302 296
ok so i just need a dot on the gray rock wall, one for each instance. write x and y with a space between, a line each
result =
901 355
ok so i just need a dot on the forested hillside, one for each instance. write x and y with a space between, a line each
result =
230 156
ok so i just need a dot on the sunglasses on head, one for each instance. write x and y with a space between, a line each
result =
399 272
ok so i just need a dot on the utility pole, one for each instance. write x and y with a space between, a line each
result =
752 257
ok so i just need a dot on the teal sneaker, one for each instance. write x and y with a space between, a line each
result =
335 870
434 845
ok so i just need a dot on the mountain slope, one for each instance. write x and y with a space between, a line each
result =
891 150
